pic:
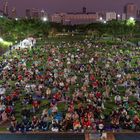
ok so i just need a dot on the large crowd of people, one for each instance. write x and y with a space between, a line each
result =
77 86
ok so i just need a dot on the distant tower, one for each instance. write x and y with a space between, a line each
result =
35 13
28 13
130 10
14 13
84 10
5 8
42 13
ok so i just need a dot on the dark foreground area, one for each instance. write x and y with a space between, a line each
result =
53 136
68 136
132 136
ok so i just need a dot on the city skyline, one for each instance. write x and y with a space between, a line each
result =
51 6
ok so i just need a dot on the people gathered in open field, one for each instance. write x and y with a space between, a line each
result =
77 86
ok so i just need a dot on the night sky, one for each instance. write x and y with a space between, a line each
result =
69 5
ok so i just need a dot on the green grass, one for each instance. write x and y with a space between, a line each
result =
3 128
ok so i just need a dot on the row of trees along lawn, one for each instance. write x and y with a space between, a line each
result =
15 30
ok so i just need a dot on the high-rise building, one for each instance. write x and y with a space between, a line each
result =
44 15
35 13
5 8
130 10
28 14
138 15
102 15
14 13
84 10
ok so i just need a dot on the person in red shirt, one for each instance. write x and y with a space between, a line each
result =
35 122
35 105
86 123
95 84
92 78
136 122
9 100
27 73
20 77
8 110
76 125
98 95
14 95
